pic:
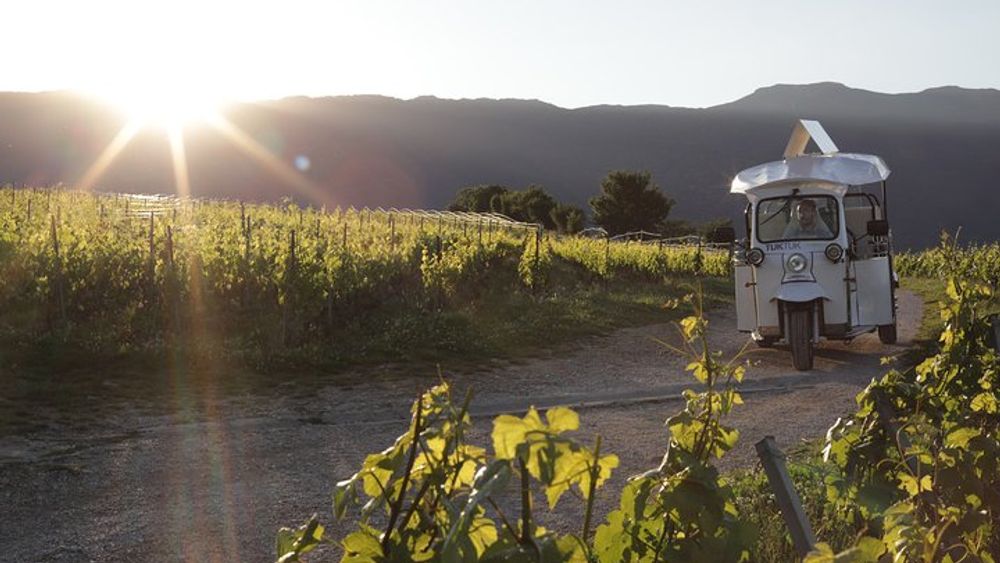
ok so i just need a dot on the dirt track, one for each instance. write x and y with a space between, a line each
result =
212 480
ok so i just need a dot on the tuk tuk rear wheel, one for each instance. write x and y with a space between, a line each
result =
800 338
887 333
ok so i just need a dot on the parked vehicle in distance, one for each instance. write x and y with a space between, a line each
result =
817 258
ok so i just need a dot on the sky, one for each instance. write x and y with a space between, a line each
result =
569 53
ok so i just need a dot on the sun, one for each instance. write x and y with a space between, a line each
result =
164 105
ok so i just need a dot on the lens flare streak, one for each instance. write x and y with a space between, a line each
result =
100 166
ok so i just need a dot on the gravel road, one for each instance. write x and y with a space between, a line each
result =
212 479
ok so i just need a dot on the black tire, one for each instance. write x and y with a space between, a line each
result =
800 338
887 333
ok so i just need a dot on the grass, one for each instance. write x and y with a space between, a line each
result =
498 323
930 291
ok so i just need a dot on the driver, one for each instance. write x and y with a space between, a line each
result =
805 223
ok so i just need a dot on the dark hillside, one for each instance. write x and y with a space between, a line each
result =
377 151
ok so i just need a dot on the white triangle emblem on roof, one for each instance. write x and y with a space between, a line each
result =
807 129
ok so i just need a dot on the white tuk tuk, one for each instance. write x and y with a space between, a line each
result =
817 260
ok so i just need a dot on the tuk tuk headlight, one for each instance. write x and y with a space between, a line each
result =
755 256
797 263
834 252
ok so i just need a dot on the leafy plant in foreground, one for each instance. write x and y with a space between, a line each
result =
920 457
434 497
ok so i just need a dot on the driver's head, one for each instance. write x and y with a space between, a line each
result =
805 212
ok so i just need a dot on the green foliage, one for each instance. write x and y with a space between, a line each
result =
629 201
975 261
432 496
684 510
477 199
649 261
706 230
267 284
919 458
532 205
568 219
536 261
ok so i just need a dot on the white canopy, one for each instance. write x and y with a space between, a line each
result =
848 169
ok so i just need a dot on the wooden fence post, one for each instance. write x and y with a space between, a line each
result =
784 493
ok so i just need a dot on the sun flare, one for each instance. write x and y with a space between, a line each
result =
165 106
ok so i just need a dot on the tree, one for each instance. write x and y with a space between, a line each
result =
629 201
567 218
477 198
532 205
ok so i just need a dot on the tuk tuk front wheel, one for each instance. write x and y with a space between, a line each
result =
887 333
800 338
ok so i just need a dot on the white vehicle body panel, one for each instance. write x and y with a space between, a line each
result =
746 309
874 300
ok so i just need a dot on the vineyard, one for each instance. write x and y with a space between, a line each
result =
911 476
114 274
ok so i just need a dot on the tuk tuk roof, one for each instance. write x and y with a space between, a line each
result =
832 166
841 168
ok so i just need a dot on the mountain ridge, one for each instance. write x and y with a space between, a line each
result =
383 151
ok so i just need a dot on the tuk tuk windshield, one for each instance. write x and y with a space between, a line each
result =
797 218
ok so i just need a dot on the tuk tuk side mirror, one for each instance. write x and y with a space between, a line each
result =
724 234
878 228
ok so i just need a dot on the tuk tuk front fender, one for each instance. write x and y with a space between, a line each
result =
800 292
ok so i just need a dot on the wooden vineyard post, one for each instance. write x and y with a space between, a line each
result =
784 493
246 226
538 246
290 272
480 232
392 234
170 285
607 261
58 273
29 210
246 239
152 244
